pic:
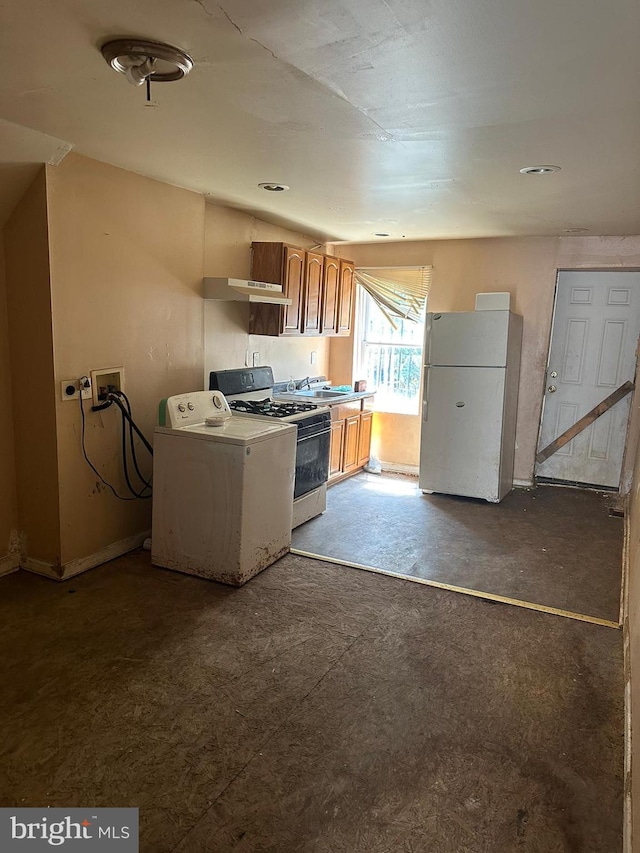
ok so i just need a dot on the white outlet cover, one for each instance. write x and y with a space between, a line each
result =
96 380
65 383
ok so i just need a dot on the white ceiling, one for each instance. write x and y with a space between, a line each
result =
411 117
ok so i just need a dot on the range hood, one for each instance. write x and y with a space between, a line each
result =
241 290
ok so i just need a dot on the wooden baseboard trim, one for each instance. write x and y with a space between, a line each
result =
502 599
338 478
83 564
40 567
117 549
9 564
387 467
397 468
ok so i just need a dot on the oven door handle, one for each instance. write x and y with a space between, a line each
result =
313 435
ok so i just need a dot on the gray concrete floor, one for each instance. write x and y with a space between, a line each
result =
557 547
314 709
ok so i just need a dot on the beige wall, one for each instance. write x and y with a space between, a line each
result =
527 268
104 268
31 358
8 506
395 439
228 235
126 265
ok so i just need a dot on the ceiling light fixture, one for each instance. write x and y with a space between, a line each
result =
143 61
270 187
539 170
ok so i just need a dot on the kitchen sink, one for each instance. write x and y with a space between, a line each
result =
323 395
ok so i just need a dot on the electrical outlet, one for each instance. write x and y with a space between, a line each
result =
70 388
313 357
256 359
105 380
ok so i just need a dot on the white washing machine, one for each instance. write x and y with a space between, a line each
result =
222 489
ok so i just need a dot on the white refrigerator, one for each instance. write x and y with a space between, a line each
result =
469 403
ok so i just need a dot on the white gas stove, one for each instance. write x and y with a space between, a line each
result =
249 392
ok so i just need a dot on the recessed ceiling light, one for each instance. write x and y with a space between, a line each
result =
539 170
381 234
575 230
273 188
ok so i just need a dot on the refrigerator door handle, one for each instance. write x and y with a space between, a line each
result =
427 338
425 396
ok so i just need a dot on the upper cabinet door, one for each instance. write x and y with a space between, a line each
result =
320 288
313 293
345 305
294 268
331 296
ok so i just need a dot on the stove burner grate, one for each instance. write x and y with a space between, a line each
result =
270 408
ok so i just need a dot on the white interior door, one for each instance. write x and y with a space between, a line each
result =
593 351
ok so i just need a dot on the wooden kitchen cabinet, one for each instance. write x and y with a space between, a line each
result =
346 292
293 280
320 287
282 264
350 439
351 436
313 281
364 438
331 301
335 450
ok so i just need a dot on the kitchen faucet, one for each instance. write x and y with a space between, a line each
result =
304 383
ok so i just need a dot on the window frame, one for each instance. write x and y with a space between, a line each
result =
360 345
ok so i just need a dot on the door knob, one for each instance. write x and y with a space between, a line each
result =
551 389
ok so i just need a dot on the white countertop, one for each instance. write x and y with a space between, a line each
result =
341 397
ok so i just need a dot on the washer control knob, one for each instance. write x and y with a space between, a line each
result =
217 402
190 406
181 407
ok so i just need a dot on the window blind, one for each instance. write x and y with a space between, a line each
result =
399 292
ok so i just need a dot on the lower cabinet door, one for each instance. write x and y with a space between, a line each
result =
364 437
335 452
351 434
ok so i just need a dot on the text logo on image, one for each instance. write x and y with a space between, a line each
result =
110 830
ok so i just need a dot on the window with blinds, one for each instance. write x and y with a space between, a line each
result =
390 330
400 293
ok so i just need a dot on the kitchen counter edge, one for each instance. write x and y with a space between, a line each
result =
323 401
